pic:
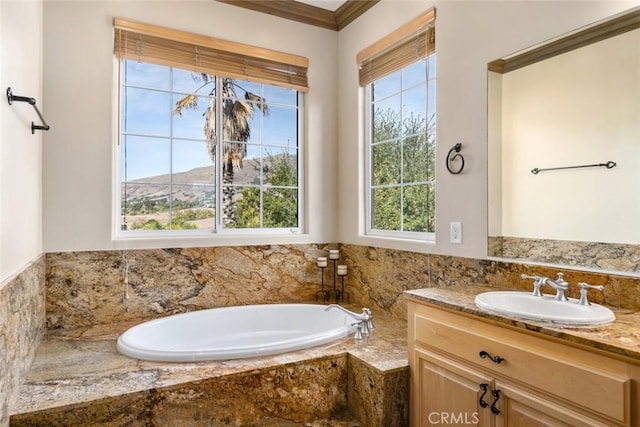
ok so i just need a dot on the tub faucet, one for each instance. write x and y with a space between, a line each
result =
370 324
364 322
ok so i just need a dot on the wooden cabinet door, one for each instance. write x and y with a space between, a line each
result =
448 393
520 408
539 384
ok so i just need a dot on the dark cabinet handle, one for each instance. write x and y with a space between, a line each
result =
484 387
495 359
496 395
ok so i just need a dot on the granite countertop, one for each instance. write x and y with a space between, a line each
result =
621 337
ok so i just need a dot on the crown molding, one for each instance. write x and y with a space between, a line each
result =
589 35
351 10
306 13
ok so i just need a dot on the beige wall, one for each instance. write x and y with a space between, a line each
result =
469 35
78 153
20 151
579 108
494 153
79 85
21 264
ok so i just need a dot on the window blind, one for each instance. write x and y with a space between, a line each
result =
203 54
413 41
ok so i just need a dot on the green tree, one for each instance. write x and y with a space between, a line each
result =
279 199
151 224
403 174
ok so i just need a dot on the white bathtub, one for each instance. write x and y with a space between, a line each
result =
234 332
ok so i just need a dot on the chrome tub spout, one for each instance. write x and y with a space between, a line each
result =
364 322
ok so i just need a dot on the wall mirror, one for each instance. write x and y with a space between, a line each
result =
564 149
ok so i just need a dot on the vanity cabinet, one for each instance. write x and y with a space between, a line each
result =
466 370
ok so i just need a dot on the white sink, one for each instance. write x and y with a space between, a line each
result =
545 308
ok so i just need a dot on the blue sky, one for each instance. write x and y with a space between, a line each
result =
412 81
150 118
150 115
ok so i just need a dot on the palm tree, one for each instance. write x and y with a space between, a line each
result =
237 114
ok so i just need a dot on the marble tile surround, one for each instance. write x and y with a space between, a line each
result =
87 288
288 394
22 310
78 378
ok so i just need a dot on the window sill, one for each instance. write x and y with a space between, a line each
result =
147 241
397 243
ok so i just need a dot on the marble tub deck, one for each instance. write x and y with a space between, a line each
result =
78 370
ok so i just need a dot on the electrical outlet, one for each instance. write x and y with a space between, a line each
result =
455 232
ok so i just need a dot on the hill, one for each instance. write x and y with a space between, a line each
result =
195 186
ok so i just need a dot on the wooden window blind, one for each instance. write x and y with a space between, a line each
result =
203 54
413 41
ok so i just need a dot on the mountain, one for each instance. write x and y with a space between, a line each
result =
195 186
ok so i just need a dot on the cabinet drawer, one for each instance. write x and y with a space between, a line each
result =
594 382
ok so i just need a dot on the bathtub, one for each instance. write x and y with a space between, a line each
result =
234 332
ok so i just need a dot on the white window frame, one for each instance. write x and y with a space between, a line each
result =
368 208
119 234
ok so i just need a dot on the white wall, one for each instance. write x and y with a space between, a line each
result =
468 36
20 151
579 108
79 88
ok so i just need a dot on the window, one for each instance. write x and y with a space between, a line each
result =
399 81
202 149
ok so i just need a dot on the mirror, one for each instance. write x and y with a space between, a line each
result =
564 149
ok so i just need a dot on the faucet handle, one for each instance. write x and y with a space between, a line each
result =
537 284
358 336
370 324
364 325
561 282
584 287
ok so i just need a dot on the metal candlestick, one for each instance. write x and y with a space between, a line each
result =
323 291
335 291
334 255
342 292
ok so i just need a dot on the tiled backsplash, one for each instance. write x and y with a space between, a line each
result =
606 256
381 275
86 288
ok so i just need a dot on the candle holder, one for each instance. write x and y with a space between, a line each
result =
341 274
322 264
334 256
338 271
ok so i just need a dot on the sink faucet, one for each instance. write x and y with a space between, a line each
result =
364 322
560 285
